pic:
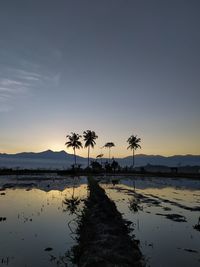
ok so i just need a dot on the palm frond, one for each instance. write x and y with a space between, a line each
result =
133 142
89 138
73 141
109 144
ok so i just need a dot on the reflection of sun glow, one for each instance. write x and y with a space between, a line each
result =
78 191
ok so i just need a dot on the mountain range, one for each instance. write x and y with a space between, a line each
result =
61 160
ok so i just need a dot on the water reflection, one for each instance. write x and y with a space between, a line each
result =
72 204
164 212
36 232
197 226
134 205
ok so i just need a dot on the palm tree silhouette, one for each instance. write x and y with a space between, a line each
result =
89 138
100 156
109 145
133 142
74 143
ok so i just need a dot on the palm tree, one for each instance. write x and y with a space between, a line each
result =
100 156
109 145
74 143
133 142
89 138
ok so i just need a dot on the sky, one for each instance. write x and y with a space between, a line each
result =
118 67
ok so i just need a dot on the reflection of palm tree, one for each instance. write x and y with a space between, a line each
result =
74 143
134 205
89 138
72 203
109 145
133 142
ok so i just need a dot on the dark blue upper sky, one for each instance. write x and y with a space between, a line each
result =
116 67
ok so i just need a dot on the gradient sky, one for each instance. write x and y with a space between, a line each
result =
116 67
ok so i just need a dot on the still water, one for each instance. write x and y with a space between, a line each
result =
163 212
37 229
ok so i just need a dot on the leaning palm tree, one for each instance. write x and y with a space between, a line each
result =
133 142
89 138
74 143
109 145
100 156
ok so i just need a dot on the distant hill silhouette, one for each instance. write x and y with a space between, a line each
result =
47 159
62 160
172 161
48 154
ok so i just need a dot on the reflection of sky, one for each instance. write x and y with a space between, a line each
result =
159 182
162 241
183 191
35 221
117 68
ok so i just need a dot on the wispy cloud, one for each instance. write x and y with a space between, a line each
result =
24 74
21 78
15 83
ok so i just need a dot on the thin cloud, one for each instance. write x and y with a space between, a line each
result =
7 82
31 78
14 84
24 79
24 74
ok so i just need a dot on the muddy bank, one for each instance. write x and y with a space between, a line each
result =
103 235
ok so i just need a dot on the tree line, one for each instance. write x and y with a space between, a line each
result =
89 137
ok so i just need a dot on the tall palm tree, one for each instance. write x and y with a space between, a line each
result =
74 143
89 138
109 145
133 142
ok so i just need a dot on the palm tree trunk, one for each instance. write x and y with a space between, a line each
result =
75 157
133 159
88 156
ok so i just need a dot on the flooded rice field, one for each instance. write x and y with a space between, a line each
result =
38 218
37 224
164 212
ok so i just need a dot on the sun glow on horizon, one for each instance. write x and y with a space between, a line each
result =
116 153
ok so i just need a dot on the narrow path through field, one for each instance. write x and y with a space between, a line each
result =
103 234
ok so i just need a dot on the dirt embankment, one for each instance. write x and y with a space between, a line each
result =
103 235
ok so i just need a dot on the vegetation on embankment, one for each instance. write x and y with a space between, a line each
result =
103 235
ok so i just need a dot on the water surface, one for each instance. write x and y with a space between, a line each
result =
37 228
163 241
35 231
